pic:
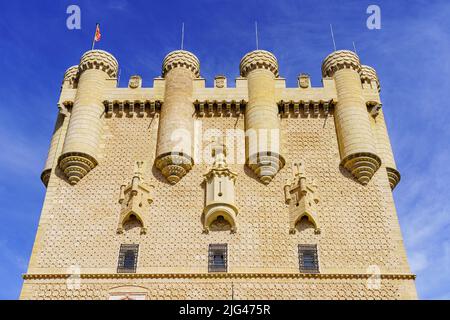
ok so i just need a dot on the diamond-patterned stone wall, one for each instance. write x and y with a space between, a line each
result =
359 226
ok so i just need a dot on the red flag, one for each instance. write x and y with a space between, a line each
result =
98 35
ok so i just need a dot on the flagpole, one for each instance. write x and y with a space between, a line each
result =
256 35
182 36
354 47
95 32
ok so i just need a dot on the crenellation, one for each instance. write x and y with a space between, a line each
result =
101 60
71 78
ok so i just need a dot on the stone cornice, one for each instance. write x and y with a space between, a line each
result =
220 108
138 107
305 108
258 59
394 276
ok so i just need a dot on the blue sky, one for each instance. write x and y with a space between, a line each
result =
411 54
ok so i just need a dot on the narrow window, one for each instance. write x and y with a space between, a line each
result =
218 258
128 256
308 259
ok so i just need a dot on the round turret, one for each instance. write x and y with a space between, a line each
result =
263 146
176 125
355 137
83 138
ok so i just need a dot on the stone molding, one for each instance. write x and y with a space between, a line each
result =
306 108
393 276
219 108
138 107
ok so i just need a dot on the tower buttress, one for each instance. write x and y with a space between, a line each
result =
356 140
80 152
262 123
176 127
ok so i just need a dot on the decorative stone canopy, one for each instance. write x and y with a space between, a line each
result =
301 195
258 59
220 191
368 74
135 199
181 59
341 59
99 59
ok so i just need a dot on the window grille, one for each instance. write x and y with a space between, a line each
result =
218 258
308 258
128 256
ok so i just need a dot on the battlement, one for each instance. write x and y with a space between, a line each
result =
257 97
71 76
341 59
99 59
181 59
369 75
258 59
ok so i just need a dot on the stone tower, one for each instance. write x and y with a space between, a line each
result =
255 191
